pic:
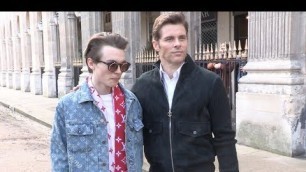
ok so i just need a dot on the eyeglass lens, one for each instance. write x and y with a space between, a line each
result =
114 66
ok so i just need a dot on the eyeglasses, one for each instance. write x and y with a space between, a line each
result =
113 66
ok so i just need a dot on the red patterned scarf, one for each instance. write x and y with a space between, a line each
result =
119 104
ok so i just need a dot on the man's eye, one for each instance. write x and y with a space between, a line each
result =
183 38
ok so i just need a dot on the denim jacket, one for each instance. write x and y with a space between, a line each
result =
79 134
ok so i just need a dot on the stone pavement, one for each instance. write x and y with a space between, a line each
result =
41 109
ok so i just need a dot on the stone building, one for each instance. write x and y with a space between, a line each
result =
41 53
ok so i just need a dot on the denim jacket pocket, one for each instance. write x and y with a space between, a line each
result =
136 130
136 124
79 129
78 137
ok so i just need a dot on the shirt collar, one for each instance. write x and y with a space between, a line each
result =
176 74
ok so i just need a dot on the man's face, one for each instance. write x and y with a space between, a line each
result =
172 45
101 74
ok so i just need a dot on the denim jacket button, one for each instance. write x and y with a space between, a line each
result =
194 132
103 142
150 131
103 164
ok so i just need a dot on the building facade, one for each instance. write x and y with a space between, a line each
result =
41 53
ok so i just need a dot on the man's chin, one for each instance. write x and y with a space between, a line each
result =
113 83
179 60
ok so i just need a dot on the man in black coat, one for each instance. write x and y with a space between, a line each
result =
186 111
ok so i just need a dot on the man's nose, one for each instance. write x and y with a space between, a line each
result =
177 42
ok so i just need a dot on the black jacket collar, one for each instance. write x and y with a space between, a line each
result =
187 68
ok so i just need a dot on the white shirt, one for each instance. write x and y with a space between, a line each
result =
169 84
109 113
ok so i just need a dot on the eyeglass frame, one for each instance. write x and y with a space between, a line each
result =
115 63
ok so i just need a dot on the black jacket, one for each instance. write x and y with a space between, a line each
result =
197 128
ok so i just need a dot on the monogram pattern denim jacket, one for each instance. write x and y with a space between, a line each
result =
79 134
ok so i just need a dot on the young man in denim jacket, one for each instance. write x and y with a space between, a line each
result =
98 127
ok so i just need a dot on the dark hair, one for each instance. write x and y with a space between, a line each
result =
99 40
168 18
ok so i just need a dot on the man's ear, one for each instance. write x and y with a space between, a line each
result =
155 45
91 63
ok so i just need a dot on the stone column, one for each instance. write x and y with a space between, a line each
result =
271 108
3 56
37 53
50 53
26 53
194 30
16 52
91 23
68 49
9 54
128 24
1 50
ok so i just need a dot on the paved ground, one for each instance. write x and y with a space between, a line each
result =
24 144
41 110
